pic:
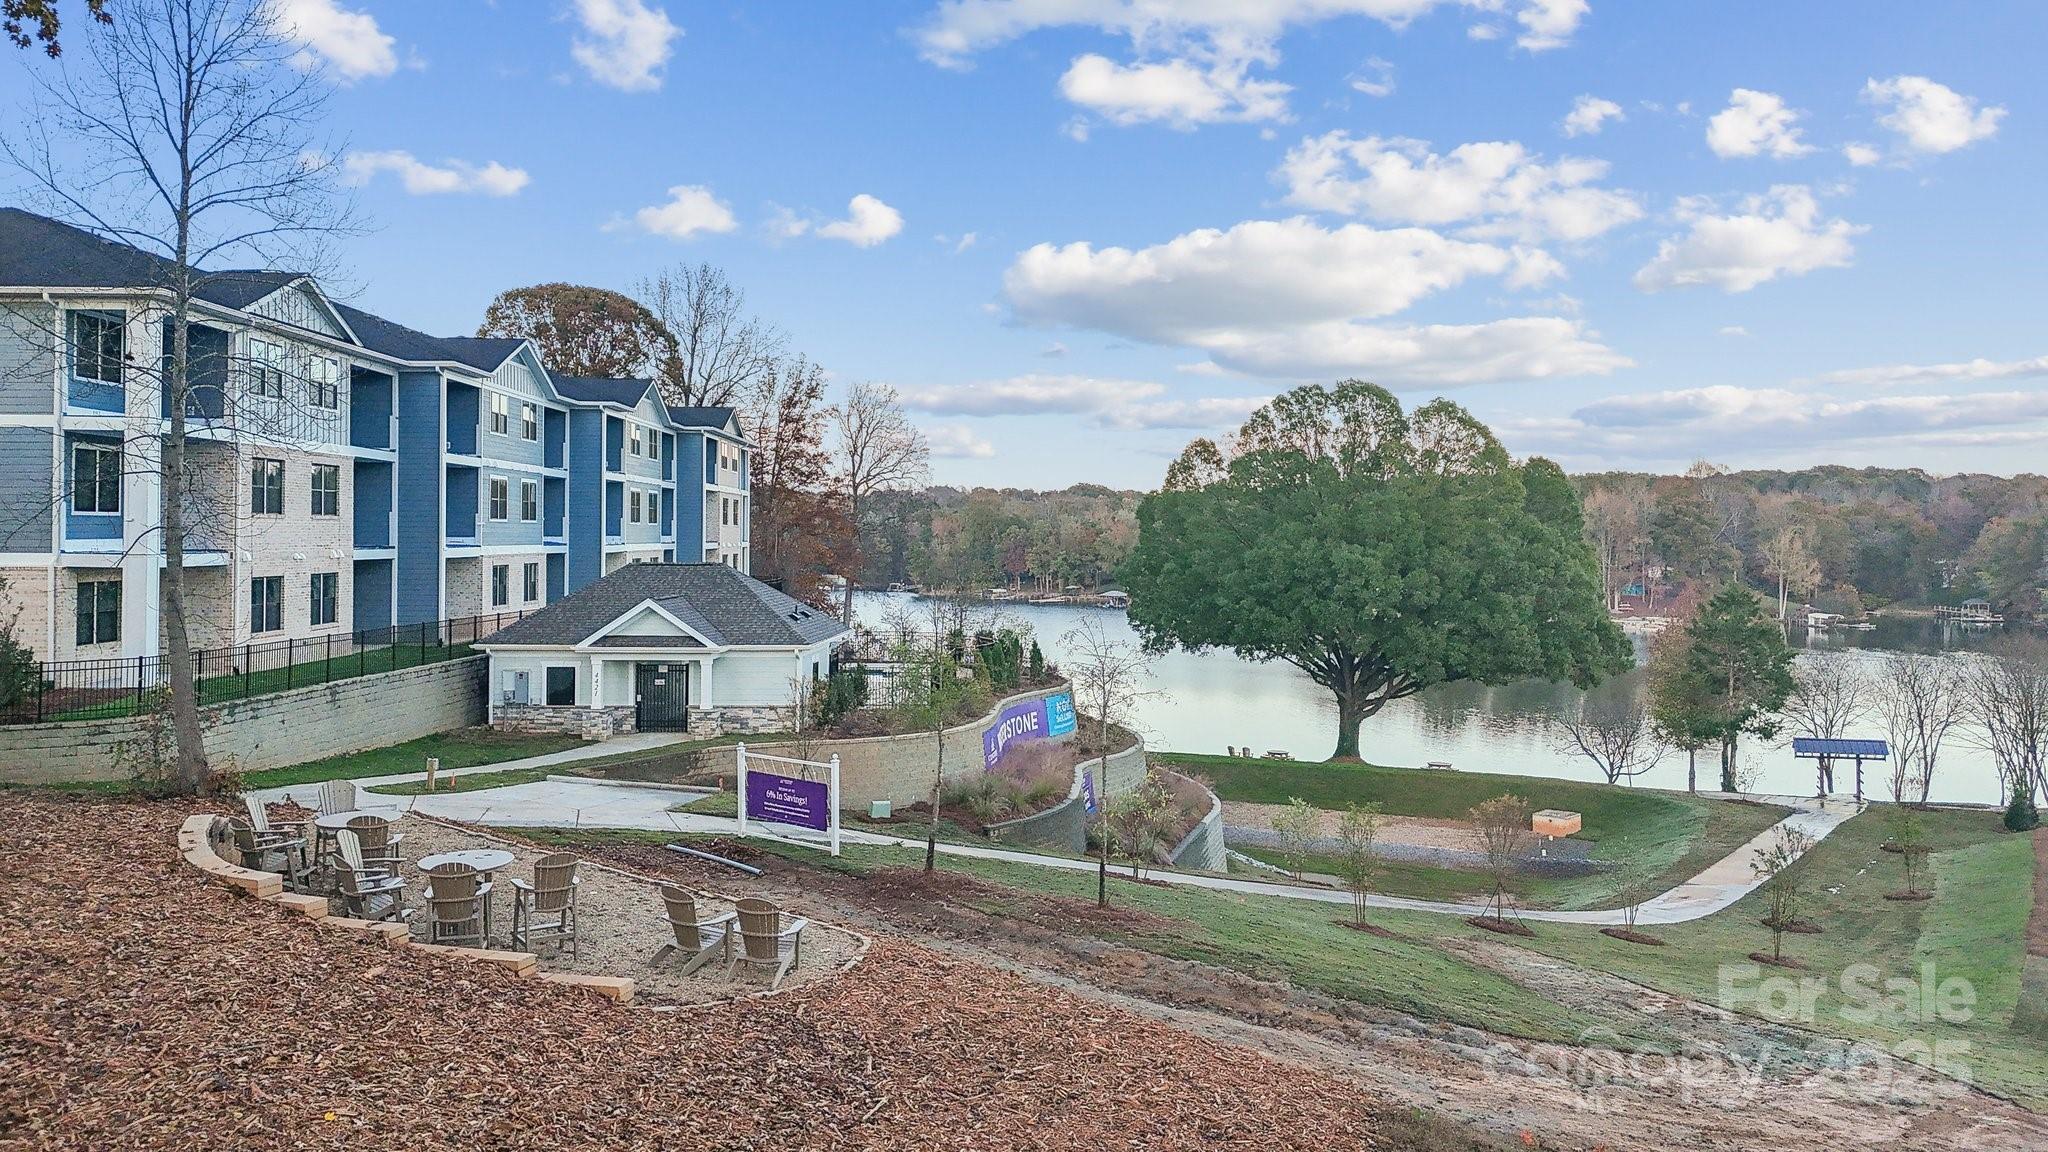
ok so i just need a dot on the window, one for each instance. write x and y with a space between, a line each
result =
99 612
633 505
501 414
326 597
326 489
323 382
529 500
530 582
266 487
266 604
501 585
98 346
529 421
633 439
501 498
561 687
95 478
266 368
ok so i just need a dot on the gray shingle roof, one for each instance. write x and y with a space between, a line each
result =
713 417
624 391
393 339
485 352
36 251
723 604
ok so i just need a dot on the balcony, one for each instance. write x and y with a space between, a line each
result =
464 406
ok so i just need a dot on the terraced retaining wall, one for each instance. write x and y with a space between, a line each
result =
1064 827
1202 848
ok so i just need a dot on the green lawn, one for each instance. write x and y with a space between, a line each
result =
461 748
1396 877
1673 834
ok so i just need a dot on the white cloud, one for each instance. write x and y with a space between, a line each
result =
1777 234
348 42
1759 421
1735 332
1861 155
1589 114
1483 32
1963 371
1496 188
691 209
1053 351
868 222
1931 118
624 44
1179 93
1755 123
1374 78
1548 24
423 179
1133 404
1190 61
1439 355
955 442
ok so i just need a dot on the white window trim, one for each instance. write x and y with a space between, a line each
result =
526 486
491 499
499 405
527 407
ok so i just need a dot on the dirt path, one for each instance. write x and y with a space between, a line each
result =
1417 831
1728 1083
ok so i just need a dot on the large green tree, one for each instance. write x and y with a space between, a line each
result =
1736 676
584 331
1379 551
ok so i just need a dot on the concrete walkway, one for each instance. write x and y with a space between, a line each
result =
564 802
308 794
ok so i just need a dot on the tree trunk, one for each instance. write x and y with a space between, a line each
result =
851 560
1692 770
1102 804
1350 714
191 771
931 835
1728 764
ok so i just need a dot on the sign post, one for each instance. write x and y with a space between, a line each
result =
788 792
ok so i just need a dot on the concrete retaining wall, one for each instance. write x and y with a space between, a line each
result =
894 768
1064 827
273 731
1202 848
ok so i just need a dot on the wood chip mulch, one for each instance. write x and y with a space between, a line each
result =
142 1009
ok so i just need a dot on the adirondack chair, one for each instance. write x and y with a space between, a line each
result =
379 843
256 848
696 938
767 940
371 891
455 897
546 908
259 819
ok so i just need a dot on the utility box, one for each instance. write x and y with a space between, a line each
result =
880 809
1555 822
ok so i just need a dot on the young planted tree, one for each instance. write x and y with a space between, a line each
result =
1359 859
1783 885
1501 827
1922 700
929 692
1830 696
1295 826
1909 840
190 130
1737 673
1379 551
879 449
1110 676
1136 824
2021 813
1617 737
1637 884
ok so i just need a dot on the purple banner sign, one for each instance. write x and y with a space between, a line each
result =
1026 720
788 800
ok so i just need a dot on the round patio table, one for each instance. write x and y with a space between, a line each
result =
326 826
484 860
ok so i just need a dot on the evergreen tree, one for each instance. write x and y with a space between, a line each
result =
1736 676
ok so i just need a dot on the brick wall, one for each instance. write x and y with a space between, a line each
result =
586 723
269 731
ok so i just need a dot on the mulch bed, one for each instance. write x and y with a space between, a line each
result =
140 1008
1632 936
1914 896
1780 962
1504 927
1795 927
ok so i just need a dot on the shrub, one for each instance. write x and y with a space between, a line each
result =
2021 815
845 690
1296 828
1037 664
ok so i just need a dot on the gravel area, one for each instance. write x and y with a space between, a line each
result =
623 924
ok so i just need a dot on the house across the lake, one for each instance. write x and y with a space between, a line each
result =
702 648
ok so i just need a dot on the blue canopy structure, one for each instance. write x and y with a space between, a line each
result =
1811 749
1829 751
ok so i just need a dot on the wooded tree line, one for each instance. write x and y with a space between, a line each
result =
954 538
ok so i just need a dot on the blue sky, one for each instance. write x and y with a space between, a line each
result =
1076 233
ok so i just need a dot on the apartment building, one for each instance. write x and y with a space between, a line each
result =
345 472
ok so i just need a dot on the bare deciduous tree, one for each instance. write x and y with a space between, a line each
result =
1782 884
1110 677
1501 826
721 351
1359 834
1618 738
879 448
1830 696
1922 700
190 132
2007 696
1788 560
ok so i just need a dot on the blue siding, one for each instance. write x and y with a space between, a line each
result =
511 530
373 595
373 492
586 496
513 446
692 462
26 490
28 358
419 496
555 438
369 409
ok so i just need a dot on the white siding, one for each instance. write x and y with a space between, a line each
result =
753 678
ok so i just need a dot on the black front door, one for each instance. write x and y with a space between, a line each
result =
663 692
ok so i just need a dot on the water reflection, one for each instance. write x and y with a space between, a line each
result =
1213 701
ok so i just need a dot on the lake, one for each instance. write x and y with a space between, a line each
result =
1213 701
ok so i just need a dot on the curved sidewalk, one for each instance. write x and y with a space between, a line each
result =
565 802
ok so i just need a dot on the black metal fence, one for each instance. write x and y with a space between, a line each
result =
123 686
